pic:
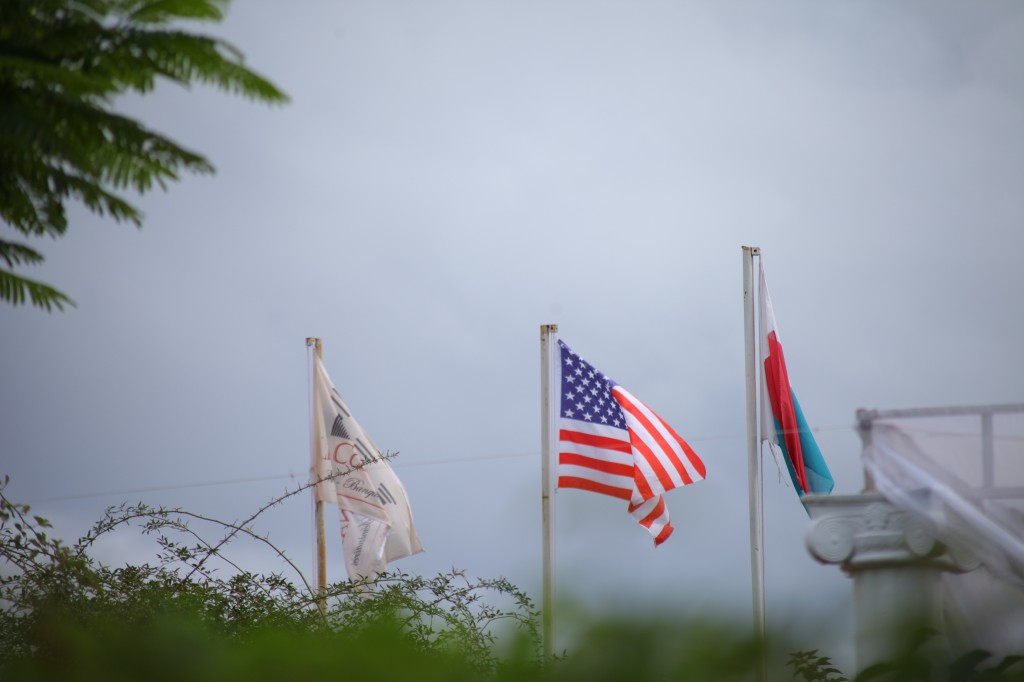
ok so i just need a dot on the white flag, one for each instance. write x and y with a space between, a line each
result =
376 522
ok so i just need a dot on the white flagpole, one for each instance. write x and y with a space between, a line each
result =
318 509
753 460
548 338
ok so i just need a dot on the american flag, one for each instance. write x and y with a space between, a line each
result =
613 444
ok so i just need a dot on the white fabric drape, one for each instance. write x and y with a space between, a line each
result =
965 480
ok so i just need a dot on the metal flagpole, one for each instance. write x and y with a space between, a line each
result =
753 460
548 336
318 511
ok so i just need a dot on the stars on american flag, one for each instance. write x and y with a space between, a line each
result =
587 392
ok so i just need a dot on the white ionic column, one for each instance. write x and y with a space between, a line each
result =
895 564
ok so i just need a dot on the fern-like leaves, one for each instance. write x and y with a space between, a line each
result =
16 290
62 63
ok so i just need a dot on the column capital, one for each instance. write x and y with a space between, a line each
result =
866 531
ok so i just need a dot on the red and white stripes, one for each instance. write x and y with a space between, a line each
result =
611 443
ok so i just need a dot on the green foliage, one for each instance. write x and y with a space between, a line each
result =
63 615
194 613
918 662
62 63
813 667
645 647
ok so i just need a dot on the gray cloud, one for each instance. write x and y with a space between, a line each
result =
450 176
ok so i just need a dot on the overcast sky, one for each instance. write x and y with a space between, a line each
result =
451 175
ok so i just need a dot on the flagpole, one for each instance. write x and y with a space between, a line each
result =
548 336
753 461
318 509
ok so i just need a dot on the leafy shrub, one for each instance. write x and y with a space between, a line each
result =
63 615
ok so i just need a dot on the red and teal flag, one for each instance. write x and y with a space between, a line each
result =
783 425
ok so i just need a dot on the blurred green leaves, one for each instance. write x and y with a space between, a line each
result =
194 613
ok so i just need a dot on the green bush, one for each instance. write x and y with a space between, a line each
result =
63 615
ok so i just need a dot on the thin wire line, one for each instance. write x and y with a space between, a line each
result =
959 434
158 488
399 464
453 460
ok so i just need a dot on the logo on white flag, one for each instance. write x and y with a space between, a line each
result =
376 521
